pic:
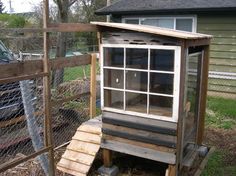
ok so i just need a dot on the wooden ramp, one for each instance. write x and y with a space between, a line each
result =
82 150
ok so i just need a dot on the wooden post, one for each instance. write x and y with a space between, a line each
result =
171 170
107 158
203 95
93 82
47 93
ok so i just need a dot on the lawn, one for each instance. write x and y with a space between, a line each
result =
221 133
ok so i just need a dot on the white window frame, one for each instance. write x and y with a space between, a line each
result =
176 73
141 18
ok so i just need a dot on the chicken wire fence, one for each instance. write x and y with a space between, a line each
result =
22 123
70 89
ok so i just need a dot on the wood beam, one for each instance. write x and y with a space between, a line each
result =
71 27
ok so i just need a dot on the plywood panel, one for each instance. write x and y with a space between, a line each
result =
71 164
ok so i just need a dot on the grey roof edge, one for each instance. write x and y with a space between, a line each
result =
184 10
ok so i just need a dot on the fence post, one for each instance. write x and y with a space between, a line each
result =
47 92
92 109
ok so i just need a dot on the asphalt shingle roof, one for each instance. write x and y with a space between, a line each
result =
137 6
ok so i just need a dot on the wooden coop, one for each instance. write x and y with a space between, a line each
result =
153 93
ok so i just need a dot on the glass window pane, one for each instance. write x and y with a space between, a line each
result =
136 102
137 58
114 99
132 21
162 60
160 105
161 83
114 57
136 80
166 23
114 78
151 22
184 24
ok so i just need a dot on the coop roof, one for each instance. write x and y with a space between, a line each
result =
166 6
154 30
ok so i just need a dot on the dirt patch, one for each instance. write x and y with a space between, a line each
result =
223 140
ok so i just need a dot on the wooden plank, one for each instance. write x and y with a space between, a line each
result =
107 158
140 120
152 30
73 165
70 171
78 157
21 68
22 77
21 30
171 170
137 143
84 147
146 127
16 120
141 133
15 162
71 27
203 96
199 42
47 92
91 129
139 151
136 137
72 61
181 113
87 137
93 82
204 162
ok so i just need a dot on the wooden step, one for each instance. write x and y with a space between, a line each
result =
83 148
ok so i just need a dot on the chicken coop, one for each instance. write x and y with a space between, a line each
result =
153 93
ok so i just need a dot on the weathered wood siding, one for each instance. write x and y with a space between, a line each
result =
222 51
147 138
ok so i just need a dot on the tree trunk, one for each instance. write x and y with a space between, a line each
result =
57 76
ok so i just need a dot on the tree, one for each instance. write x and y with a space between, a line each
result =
63 17
2 8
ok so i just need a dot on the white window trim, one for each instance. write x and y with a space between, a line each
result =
141 18
175 107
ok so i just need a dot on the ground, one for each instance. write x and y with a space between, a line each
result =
220 132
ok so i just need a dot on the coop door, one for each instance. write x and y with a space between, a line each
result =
141 80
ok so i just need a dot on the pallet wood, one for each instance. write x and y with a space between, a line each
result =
80 157
171 170
73 61
71 27
87 137
71 171
140 120
142 133
107 158
93 83
82 150
137 143
139 151
82 168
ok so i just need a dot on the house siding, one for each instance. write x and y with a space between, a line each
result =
222 51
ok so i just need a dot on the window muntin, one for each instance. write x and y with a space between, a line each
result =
138 91
185 23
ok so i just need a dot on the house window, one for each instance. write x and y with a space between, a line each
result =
141 80
177 23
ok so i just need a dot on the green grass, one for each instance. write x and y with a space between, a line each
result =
76 73
221 112
216 166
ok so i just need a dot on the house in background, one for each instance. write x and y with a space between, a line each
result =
215 17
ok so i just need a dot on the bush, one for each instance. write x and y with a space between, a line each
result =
12 21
